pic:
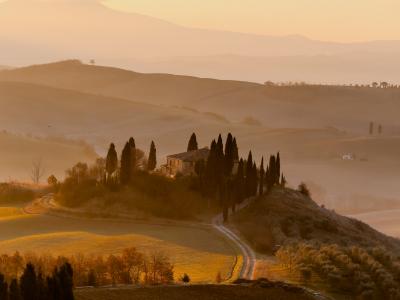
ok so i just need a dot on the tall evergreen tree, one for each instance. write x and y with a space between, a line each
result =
192 145
65 279
272 170
132 142
235 150
249 175
3 288
28 283
126 166
200 169
220 163
111 161
132 145
229 155
262 174
283 181
254 180
240 183
211 167
152 162
15 292
278 168
41 287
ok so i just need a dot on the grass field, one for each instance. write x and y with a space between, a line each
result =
10 212
200 252
220 292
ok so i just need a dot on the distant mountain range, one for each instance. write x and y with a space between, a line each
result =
37 31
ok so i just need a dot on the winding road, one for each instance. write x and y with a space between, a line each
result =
249 256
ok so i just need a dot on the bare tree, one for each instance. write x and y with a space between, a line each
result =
37 170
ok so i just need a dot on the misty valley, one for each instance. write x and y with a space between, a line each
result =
142 159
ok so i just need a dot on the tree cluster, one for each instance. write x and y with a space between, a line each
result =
32 284
130 267
364 274
132 159
230 179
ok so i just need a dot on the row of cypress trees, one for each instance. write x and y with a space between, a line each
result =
33 286
128 163
229 179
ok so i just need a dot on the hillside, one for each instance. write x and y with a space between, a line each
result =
47 111
134 40
312 126
272 106
18 153
287 216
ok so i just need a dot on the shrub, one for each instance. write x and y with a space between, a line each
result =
185 278
304 189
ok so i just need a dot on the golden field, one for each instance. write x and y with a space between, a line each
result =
197 251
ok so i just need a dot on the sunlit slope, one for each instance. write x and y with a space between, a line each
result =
196 251
50 111
19 152
349 108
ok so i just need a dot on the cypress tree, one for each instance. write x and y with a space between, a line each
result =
28 283
254 180
240 183
249 170
65 280
229 155
272 170
283 181
235 150
111 161
278 168
211 166
220 163
262 174
41 287
192 145
132 145
200 169
152 163
126 166
3 287
15 292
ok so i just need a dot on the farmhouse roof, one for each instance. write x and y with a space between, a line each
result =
192 156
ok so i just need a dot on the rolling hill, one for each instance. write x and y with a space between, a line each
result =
18 152
134 41
312 126
276 107
286 216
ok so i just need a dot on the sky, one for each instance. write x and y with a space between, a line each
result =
330 20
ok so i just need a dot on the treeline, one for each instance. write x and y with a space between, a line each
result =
363 274
229 179
223 179
376 85
130 267
32 284
14 192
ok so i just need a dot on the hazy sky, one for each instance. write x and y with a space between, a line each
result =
338 20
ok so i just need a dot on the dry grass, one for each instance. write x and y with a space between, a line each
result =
10 212
220 292
199 252
18 152
287 216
